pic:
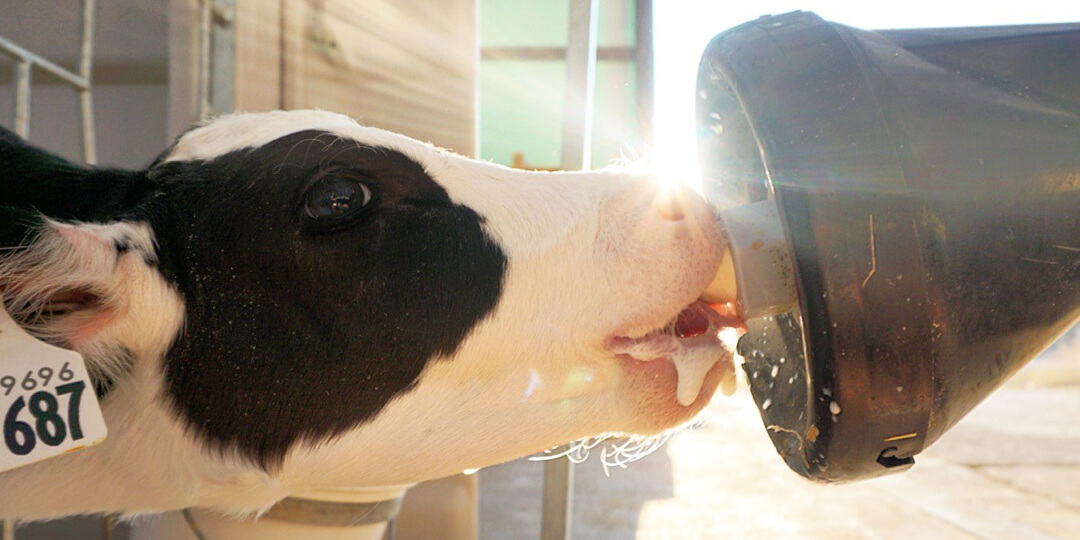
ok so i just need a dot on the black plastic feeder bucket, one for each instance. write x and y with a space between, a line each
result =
904 212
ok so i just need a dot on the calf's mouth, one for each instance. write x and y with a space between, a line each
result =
691 341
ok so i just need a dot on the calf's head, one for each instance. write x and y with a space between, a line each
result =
290 300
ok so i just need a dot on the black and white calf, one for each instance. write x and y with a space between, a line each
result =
291 301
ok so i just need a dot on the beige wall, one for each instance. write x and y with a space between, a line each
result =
404 65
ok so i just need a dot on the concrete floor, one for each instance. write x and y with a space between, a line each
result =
1009 471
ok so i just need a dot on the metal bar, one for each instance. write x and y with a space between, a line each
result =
576 154
196 531
115 72
222 36
558 498
86 104
643 63
205 13
24 55
282 56
22 98
580 83
89 141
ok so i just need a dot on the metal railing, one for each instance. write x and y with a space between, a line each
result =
216 53
26 61
576 155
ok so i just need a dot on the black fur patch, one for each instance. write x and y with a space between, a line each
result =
298 335
33 179
291 334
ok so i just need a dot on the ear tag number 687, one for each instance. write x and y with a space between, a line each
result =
49 425
47 402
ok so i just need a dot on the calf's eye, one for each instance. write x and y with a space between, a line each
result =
335 200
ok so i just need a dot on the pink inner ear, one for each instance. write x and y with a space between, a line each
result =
80 315
78 265
71 286
82 327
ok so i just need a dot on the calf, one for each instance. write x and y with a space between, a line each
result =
290 301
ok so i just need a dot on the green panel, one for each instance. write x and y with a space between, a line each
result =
521 111
517 23
615 124
521 101
545 23
616 24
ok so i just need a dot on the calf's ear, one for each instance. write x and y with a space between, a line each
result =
73 271
90 287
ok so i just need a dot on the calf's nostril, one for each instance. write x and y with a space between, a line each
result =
670 203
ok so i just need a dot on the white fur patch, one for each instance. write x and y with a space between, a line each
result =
229 133
525 211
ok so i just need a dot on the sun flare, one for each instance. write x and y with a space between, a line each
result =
677 170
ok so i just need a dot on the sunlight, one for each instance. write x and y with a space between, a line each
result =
677 167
